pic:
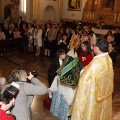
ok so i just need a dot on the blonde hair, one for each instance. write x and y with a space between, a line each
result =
17 75
74 42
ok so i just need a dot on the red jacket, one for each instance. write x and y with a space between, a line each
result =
85 60
4 116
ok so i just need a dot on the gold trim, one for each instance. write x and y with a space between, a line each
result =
73 9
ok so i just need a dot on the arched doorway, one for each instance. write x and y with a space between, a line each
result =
49 14
7 10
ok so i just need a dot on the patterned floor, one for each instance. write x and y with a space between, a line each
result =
14 60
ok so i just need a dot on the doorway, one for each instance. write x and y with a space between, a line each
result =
49 14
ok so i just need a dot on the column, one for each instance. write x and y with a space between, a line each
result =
29 10
22 9
60 9
36 10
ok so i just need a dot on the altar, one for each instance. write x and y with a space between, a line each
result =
101 31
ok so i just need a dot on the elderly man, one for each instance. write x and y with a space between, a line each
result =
93 99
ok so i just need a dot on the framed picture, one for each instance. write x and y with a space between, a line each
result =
74 5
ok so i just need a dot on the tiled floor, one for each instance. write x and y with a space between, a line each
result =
14 60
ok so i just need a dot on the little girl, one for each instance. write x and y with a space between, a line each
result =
85 56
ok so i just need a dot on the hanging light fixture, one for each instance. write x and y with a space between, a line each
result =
15 2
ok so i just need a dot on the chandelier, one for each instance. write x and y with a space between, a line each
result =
15 2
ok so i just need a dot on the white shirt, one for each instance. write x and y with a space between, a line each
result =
60 61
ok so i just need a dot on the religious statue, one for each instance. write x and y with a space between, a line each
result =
100 22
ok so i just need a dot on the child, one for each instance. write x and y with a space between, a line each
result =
55 65
85 56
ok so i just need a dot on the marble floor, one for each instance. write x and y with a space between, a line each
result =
14 60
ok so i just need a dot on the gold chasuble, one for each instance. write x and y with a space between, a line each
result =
93 99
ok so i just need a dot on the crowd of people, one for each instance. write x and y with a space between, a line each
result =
47 38
80 77
85 91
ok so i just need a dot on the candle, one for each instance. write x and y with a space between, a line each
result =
90 15
93 16
87 15
115 18
118 17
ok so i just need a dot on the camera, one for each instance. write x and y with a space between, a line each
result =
10 93
34 73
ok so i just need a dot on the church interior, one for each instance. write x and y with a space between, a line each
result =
100 16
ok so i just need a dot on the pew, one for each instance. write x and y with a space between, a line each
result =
12 44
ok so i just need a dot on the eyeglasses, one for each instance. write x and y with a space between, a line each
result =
94 46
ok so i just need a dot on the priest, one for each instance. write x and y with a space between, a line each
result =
93 98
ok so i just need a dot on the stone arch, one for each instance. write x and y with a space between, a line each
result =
49 13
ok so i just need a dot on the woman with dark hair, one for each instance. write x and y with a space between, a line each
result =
85 56
109 32
111 51
60 34
22 107
67 31
74 32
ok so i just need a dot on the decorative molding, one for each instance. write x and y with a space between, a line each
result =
36 10
71 20
94 9
60 9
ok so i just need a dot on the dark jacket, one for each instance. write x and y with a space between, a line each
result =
54 65
113 56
